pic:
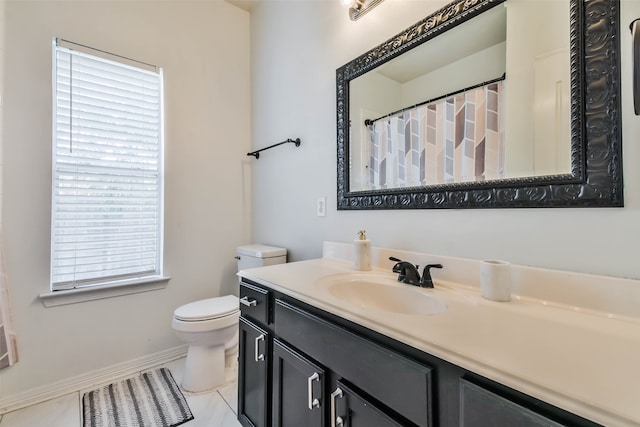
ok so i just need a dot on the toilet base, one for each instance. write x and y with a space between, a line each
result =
204 368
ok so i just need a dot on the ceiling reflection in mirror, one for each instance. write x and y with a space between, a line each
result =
486 100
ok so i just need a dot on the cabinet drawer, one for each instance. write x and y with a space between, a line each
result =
394 380
254 303
480 407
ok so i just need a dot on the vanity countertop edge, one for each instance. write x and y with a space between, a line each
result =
586 363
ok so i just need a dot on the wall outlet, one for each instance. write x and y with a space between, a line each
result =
321 206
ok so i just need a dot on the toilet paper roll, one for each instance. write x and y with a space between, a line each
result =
495 280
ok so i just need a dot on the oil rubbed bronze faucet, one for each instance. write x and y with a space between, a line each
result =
408 273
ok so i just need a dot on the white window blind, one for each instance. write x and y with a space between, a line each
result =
107 199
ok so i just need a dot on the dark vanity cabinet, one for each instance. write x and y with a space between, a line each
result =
301 366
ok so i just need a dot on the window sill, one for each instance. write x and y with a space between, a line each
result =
72 296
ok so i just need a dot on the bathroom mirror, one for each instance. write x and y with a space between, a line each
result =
559 148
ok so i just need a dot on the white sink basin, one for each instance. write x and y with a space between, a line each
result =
381 293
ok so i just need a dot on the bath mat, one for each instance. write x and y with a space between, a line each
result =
152 399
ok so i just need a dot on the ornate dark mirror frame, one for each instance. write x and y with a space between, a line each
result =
596 143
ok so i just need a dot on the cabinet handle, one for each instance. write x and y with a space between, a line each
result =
313 403
245 301
257 355
335 421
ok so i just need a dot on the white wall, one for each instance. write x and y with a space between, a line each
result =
296 47
526 48
487 64
204 49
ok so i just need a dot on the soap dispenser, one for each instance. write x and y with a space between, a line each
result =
362 252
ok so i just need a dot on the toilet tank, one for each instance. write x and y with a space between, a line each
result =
251 256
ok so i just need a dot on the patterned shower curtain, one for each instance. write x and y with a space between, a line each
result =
456 139
8 346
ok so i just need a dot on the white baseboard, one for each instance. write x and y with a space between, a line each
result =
88 380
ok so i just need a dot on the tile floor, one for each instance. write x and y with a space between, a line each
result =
213 409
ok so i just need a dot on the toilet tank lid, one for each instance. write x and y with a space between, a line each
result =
261 251
210 308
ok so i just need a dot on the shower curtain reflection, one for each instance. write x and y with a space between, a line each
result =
8 346
457 139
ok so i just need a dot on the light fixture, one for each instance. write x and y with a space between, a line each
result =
357 8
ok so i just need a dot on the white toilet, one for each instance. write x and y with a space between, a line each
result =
210 326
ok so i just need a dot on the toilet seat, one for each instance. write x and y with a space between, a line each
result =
207 309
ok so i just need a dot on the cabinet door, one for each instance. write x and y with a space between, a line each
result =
253 375
482 408
298 389
350 409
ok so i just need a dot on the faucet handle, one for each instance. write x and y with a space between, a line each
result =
407 272
398 267
426 281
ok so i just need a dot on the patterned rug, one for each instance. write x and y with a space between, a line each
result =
152 399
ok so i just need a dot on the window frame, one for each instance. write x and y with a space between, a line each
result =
101 287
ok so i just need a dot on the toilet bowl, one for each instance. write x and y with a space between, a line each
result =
210 328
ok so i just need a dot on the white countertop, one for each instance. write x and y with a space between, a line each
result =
585 362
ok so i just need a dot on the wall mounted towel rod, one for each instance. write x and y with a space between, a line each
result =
256 153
